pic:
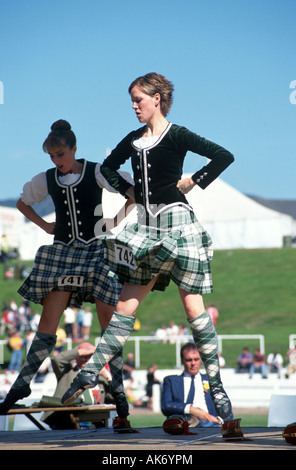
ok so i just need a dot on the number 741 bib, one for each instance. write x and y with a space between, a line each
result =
71 280
125 256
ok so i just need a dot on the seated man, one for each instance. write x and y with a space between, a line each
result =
275 363
244 361
258 364
66 366
177 397
291 356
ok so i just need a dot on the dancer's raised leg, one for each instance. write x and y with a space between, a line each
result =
114 338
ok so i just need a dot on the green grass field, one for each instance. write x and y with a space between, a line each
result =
254 291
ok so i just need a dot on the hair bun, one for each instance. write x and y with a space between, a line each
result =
60 125
61 134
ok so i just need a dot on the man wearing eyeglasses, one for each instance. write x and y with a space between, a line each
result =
188 394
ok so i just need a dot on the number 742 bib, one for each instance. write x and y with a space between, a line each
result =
125 256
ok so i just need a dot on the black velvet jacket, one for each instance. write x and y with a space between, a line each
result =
157 169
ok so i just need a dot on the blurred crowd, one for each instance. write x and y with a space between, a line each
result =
19 324
273 363
22 319
169 333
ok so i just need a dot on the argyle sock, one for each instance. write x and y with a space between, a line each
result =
205 338
41 347
117 388
111 343
116 366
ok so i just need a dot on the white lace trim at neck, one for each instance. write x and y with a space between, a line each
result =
144 142
69 178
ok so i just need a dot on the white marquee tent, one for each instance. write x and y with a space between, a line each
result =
232 219
236 221
11 223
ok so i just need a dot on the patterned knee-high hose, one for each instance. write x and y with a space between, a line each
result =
205 338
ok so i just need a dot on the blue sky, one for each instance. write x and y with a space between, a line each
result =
231 62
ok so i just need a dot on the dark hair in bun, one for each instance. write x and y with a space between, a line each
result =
60 135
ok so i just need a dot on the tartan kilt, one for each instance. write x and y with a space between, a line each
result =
59 267
176 248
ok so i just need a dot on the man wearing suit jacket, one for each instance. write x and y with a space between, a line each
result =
179 398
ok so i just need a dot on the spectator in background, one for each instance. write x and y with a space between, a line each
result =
275 363
7 320
69 322
213 312
183 330
61 336
13 305
25 315
221 361
244 361
15 345
151 380
4 248
291 356
128 367
161 334
146 400
66 365
172 332
189 394
86 322
137 325
29 338
258 364
43 370
35 321
79 322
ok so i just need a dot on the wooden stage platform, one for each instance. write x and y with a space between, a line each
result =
152 441
77 414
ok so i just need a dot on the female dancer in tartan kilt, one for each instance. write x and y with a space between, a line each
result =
168 242
71 270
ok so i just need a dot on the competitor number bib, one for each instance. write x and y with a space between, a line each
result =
125 256
74 281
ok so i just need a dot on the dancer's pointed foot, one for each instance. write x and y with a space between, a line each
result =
221 401
13 396
78 386
122 425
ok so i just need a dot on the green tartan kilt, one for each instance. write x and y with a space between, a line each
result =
176 248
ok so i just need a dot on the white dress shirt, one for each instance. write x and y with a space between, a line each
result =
199 396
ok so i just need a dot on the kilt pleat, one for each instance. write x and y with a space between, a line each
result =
55 262
176 248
